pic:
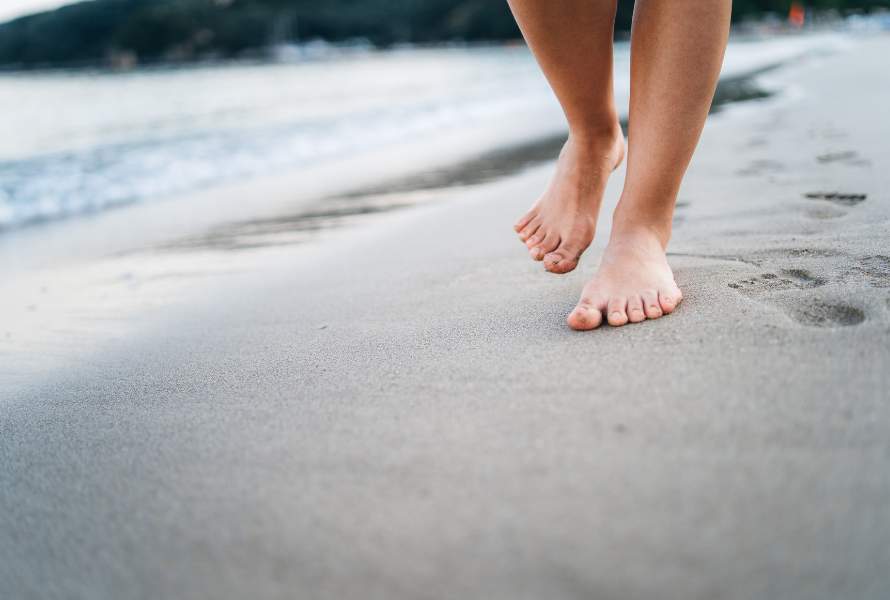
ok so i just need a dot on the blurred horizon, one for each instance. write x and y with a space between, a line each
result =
127 33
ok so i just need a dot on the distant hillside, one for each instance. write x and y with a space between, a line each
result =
153 30
146 31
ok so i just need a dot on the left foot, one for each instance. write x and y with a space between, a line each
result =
561 224
634 282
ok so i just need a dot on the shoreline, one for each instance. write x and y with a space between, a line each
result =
541 124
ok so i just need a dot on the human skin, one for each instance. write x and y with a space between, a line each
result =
677 49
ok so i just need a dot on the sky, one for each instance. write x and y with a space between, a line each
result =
10 9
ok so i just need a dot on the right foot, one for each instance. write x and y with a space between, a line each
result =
561 224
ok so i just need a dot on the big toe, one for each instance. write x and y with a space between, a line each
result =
562 260
585 317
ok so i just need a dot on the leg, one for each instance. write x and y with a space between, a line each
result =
677 49
572 41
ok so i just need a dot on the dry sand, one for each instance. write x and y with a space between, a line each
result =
401 412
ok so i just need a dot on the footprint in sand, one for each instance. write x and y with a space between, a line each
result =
841 198
816 313
829 203
809 311
790 279
847 157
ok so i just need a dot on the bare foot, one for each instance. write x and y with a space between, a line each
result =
634 283
561 224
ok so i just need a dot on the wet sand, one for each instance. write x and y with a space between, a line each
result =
401 412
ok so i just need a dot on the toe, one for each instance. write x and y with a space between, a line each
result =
650 304
562 260
539 250
536 239
524 221
669 300
586 316
549 244
529 230
536 253
617 311
558 264
552 259
635 312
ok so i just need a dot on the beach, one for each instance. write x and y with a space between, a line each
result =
282 401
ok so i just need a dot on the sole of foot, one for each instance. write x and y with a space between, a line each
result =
561 224
634 283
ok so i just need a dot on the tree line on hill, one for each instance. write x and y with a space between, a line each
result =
150 31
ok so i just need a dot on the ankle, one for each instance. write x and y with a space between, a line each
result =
642 225
598 138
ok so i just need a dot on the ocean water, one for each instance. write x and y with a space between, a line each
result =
74 143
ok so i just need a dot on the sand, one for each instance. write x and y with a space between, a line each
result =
399 411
